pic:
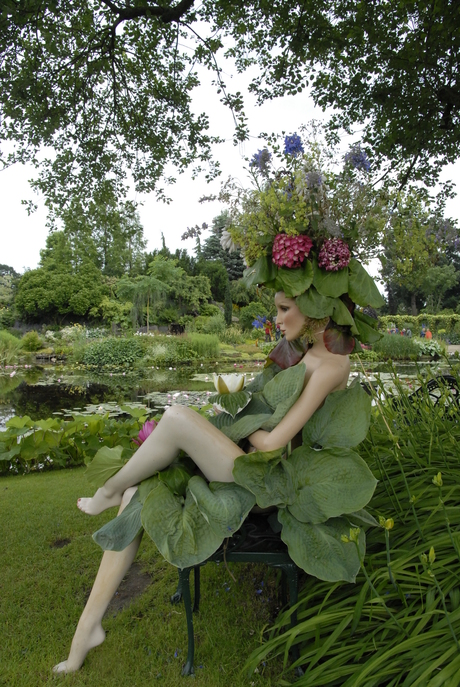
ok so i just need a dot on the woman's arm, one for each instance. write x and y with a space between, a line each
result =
323 380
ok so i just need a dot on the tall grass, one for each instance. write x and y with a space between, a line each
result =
10 348
396 347
399 625
205 345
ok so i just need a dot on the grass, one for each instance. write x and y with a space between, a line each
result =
49 560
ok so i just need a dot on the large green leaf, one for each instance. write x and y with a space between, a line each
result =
259 381
247 421
313 304
224 505
367 328
319 549
261 271
332 284
282 392
343 420
105 463
361 287
267 476
177 527
296 280
176 477
328 483
117 534
341 315
232 403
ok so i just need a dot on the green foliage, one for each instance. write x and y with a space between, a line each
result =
232 335
430 347
113 352
10 348
208 325
396 347
228 314
205 345
209 310
31 342
248 314
28 445
433 322
112 311
215 271
400 623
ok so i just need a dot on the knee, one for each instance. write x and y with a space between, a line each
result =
176 413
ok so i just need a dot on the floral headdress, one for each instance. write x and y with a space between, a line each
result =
295 239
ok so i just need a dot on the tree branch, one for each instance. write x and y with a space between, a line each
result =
166 14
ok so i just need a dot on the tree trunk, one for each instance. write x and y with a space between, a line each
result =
413 305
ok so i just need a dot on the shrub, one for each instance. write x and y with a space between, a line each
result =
248 314
9 347
167 315
113 352
232 335
205 345
31 342
430 347
209 310
396 347
207 325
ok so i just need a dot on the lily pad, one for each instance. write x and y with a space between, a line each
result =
319 549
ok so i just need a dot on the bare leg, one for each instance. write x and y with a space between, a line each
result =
89 632
179 428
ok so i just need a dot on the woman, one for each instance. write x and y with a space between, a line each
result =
214 453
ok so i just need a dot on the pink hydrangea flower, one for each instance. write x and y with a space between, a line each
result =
334 255
290 251
145 432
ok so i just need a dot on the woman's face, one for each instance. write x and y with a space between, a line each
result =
288 316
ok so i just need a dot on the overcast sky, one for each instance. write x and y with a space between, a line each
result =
23 236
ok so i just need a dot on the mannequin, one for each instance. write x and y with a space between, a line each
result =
214 453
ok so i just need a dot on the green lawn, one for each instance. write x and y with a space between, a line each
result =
48 561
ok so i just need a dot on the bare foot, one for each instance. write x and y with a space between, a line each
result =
99 502
81 644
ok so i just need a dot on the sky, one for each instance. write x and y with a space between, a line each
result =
23 236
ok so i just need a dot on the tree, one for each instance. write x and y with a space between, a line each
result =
107 85
413 244
438 280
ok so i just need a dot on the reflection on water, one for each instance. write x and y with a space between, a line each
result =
41 391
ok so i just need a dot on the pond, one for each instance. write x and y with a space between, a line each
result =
41 391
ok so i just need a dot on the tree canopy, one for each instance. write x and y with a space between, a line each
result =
107 84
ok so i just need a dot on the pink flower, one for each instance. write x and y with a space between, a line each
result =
146 431
290 251
334 255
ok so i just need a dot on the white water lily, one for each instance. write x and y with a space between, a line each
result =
228 384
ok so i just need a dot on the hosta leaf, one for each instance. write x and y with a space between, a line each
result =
286 386
361 287
313 304
367 332
117 534
105 463
319 550
332 284
176 477
259 381
294 281
343 420
328 483
361 518
341 315
244 426
267 476
177 527
231 403
224 505
262 271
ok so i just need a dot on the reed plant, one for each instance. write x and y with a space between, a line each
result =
205 345
396 347
10 348
399 625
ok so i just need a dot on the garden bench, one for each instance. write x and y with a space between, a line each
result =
435 388
255 542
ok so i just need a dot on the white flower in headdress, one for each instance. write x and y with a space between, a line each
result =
227 243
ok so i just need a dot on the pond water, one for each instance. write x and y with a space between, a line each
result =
41 391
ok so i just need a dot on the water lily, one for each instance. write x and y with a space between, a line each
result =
228 384
146 431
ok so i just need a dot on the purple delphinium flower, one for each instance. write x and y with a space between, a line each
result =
145 432
358 159
293 145
261 160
